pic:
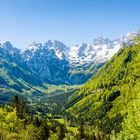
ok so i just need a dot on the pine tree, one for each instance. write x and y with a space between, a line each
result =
19 105
62 132
42 132
81 130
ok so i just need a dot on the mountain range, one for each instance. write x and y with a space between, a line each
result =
56 63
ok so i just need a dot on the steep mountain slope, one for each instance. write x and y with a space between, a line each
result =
15 76
43 61
109 96
56 63
51 62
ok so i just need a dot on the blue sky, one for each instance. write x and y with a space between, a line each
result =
70 21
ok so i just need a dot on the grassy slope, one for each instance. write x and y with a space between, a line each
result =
56 89
110 94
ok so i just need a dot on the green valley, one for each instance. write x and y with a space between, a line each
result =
69 70
105 107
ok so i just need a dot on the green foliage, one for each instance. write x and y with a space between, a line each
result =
81 131
19 105
131 124
31 127
107 97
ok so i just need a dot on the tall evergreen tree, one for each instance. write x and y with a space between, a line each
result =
19 105
81 130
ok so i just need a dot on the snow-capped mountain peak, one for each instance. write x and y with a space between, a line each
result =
32 47
101 41
101 49
56 63
60 49
6 45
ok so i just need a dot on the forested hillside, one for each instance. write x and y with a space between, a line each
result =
109 102
16 123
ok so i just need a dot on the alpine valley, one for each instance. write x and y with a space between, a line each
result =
82 92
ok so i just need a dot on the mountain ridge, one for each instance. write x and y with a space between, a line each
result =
56 63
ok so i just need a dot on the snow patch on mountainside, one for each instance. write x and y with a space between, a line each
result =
56 63
101 49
